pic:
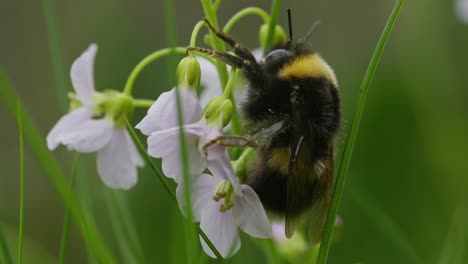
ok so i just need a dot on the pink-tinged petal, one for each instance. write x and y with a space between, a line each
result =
163 113
89 135
82 75
222 168
279 233
165 144
203 189
249 215
115 163
461 10
68 123
209 80
220 229
134 154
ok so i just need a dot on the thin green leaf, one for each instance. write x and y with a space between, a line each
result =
53 171
123 227
190 236
348 151
452 250
66 217
5 249
21 213
166 186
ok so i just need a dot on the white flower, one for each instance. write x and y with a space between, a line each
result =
221 212
161 126
86 129
461 10
211 82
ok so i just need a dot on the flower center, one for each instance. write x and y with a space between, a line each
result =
226 192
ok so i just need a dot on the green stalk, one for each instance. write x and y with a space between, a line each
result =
5 249
165 184
210 13
275 8
191 238
66 217
53 171
348 151
21 214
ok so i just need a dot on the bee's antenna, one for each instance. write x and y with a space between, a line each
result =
311 29
290 25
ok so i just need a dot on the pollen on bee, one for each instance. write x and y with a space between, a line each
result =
308 66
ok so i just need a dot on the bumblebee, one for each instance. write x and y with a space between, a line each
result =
291 116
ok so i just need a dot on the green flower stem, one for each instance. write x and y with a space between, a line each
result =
217 44
21 213
66 217
227 93
165 184
348 151
196 29
241 164
56 176
144 103
216 4
243 13
271 26
145 62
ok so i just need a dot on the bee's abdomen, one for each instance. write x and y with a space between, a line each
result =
271 185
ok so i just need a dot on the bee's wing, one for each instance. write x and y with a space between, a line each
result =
317 215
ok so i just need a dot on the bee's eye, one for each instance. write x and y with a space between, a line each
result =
276 54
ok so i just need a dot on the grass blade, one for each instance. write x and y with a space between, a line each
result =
190 236
53 171
66 217
4 249
21 213
348 150
123 227
163 181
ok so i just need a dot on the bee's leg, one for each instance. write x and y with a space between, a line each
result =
227 58
231 141
238 50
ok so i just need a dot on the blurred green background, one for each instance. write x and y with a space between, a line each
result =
406 197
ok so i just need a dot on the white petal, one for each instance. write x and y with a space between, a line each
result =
68 123
257 53
115 162
209 80
249 215
461 10
82 75
220 229
203 189
134 154
163 113
165 144
89 136
222 168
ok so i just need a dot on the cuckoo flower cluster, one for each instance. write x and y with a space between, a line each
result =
96 123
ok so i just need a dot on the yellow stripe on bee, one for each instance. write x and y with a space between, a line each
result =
279 159
308 66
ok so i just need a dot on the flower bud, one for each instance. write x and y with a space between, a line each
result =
279 37
226 109
189 73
